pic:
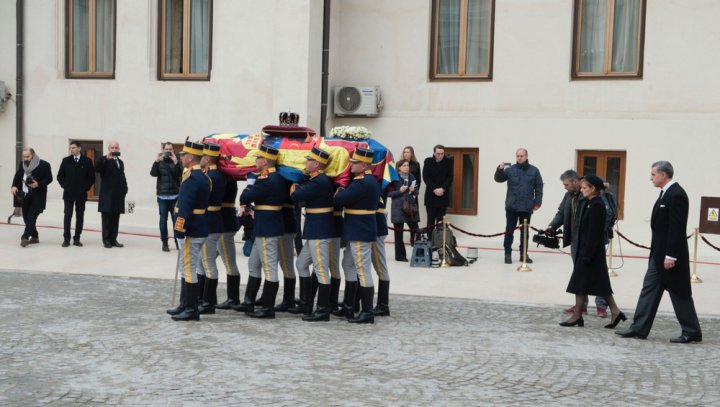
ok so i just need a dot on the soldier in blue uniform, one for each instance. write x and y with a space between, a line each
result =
335 246
231 225
360 201
191 230
379 260
319 229
269 193
208 277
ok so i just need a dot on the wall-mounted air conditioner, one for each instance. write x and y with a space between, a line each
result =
358 101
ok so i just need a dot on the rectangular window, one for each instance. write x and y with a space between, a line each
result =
610 165
464 191
462 40
185 35
608 38
92 149
90 39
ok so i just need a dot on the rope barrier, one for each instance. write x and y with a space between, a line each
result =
709 244
631 242
478 234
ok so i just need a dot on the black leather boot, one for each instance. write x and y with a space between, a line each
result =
334 292
383 300
165 246
299 307
181 304
268 300
207 306
346 309
311 296
248 304
190 311
288 301
201 287
322 313
366 315
233 293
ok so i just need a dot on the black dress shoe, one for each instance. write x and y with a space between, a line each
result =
206 308
65 243
508 260
320 314
363 318
116 244
107 245
528 260
381 311
579 322
77 243
228 304
629 333
263 313
686 339
24 242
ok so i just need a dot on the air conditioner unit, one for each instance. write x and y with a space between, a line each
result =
358 101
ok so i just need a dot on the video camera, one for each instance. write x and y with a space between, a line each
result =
549 239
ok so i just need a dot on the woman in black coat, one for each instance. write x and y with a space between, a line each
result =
405 191
590 272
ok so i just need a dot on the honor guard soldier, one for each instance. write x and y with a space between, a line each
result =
379 260
335 246
191 230
231 225
269 193
319 229
360 200
287 257
208 277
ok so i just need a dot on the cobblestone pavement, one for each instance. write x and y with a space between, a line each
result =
88 340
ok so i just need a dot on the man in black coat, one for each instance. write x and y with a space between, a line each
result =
438 176
31 181
113 188
669 264
76 176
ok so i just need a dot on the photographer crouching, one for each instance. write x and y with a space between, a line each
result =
568 215
168 171
30 185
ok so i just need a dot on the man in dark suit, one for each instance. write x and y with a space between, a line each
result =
76 176
669 265
30 182
113 188
438 176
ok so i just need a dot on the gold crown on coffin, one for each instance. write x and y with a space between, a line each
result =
289 119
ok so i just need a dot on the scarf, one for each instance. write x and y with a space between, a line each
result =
34 162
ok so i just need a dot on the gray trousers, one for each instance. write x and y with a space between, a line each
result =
226 249
209 256
264 258
286 248
650 296
190 259
359 255
378 259
335 244
317 253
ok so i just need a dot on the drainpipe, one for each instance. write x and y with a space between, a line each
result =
325 64
20 60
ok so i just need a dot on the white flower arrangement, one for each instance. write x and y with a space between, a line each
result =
351 132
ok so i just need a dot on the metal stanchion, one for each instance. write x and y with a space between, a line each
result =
524 266
694 277
444 250
611 271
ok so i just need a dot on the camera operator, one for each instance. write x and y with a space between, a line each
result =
568 215
30 183
168 171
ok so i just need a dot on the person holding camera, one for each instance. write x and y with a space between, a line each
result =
568 216
590 272
76 176
168 170
30 183
113 189
404 208
524 196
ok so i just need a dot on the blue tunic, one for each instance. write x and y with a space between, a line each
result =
191 204
217 191
317 195
269 194
360 200
229 212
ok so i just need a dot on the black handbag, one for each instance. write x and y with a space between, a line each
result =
410 207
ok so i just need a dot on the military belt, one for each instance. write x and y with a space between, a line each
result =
268 207
214 208
381 210
319 210
359 212
195 211
228 205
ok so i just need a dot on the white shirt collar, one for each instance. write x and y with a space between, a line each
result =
668 185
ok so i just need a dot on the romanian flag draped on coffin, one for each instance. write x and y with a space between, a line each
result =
237 152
